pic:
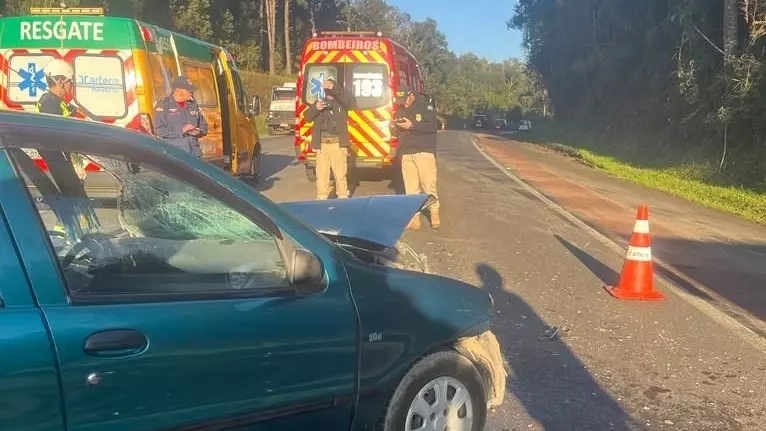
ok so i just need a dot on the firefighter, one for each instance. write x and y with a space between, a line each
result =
60 78
179 120
330 139
417 146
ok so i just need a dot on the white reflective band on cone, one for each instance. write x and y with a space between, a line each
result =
641 226
640 254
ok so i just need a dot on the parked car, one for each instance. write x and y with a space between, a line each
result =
480 122
501 125
163 293
525 125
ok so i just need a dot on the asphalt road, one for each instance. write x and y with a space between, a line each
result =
617 365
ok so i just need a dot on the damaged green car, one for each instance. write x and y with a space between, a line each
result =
144 289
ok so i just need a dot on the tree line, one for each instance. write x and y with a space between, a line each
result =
682 76
268 35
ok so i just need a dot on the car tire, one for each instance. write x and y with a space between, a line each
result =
311 174
255 164
418 402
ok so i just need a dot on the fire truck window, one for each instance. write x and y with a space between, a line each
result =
369 85
316 74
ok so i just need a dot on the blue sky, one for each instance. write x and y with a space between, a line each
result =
476 26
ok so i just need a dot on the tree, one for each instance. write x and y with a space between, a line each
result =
271 32
193 18
288 54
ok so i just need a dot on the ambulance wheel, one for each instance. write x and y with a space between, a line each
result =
255 164
311 174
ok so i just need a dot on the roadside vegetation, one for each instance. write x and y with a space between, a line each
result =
267 38
669 94
684 174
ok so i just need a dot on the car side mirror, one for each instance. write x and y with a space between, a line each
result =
306 272
255 106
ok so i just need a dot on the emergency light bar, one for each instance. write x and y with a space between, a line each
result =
66 11
348 33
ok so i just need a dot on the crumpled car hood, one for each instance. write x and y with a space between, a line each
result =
373 222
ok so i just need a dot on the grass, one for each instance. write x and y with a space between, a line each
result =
698 181
259 84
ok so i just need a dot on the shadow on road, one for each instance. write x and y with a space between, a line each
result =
271 165
546 377
604 273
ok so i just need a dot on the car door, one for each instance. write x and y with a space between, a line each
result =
168 301
29 385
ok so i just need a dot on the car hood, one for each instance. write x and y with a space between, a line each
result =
375 222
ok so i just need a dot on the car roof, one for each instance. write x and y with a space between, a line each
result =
109 139
14 119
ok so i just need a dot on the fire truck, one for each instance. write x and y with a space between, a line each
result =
372 67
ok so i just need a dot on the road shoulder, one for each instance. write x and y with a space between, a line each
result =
710 255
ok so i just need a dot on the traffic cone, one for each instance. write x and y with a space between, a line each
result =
637 277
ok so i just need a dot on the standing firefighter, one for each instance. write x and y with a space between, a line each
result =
417 146
179 119
330 139
59 76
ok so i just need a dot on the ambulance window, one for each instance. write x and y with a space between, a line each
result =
316 74
100 85
369 85
26 86
171 66
239 91
160 81
206 84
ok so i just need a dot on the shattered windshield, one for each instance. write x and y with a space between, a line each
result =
121 227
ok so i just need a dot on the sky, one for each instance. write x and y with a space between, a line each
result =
477 26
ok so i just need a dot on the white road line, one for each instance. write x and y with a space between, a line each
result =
700 304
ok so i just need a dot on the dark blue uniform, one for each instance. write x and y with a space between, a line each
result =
170 119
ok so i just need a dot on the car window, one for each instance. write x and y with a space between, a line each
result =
121 229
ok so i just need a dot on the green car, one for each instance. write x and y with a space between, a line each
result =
144 289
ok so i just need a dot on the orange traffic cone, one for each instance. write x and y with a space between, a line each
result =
637 278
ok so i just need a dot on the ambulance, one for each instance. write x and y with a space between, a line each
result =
371 67
123 67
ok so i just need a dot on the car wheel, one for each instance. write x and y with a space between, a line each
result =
255 165
442 391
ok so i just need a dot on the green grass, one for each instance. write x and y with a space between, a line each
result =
694 180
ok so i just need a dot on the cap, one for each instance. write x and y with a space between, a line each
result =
185 83
402 92
58 67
